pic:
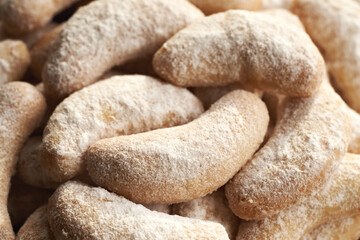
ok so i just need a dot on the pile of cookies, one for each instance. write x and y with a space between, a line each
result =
199 119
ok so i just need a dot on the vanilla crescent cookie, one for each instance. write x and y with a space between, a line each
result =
120 105
339 199
21 17
105 33
242 46
182 163
21 109
36 226
308 143
14 60
214 6
334 25
77 211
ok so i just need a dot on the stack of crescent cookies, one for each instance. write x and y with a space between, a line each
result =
179 119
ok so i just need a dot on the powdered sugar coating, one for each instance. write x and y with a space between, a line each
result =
36 226
339 199
185 162
120 105
21 108
22 16
248 47
214 6
14 60
77 211
110 32
213 207
339 229
306 147
334 25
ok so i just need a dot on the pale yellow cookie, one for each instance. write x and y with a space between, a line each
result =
120 105
21 109
308 143
339 199
242 46
105 33
77 211
182 163
334 25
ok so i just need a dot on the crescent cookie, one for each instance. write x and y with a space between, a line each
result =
242 46
334 25
77 211
21 109
120 105
182 163
106 33
339 199
309 141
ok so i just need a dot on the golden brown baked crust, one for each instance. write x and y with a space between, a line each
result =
339 199
242 46
306 147
77 211
185 162
334 25
120 105
105 33
21 109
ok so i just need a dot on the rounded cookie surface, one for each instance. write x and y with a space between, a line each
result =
120 105
185 162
